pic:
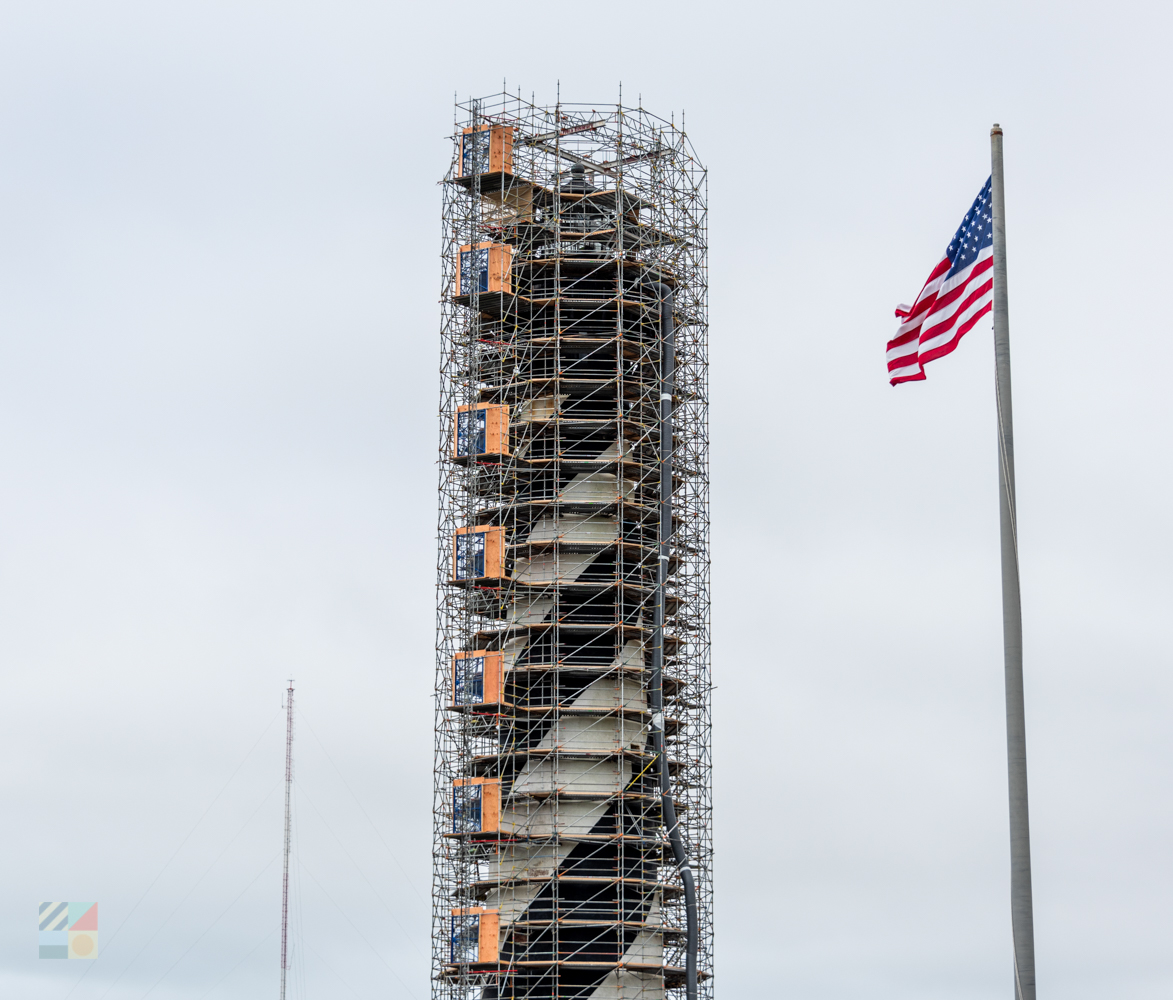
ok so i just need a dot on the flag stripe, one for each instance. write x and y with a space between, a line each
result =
940 332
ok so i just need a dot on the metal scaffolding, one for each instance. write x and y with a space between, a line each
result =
574 237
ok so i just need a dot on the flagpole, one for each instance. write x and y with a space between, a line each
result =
1021 902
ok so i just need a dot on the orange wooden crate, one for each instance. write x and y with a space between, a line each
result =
490 791
489 672
486 149
482 429
478 553
494 268
488 931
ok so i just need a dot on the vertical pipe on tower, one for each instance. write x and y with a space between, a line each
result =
656 682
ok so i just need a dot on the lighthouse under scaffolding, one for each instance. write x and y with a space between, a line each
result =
573 795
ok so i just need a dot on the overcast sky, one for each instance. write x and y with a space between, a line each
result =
219 273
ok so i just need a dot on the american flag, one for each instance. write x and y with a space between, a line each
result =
959 292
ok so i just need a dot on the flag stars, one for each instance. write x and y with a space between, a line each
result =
973 236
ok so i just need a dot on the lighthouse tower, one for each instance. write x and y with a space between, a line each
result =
572 798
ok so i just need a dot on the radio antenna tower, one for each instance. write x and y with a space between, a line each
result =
285 874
